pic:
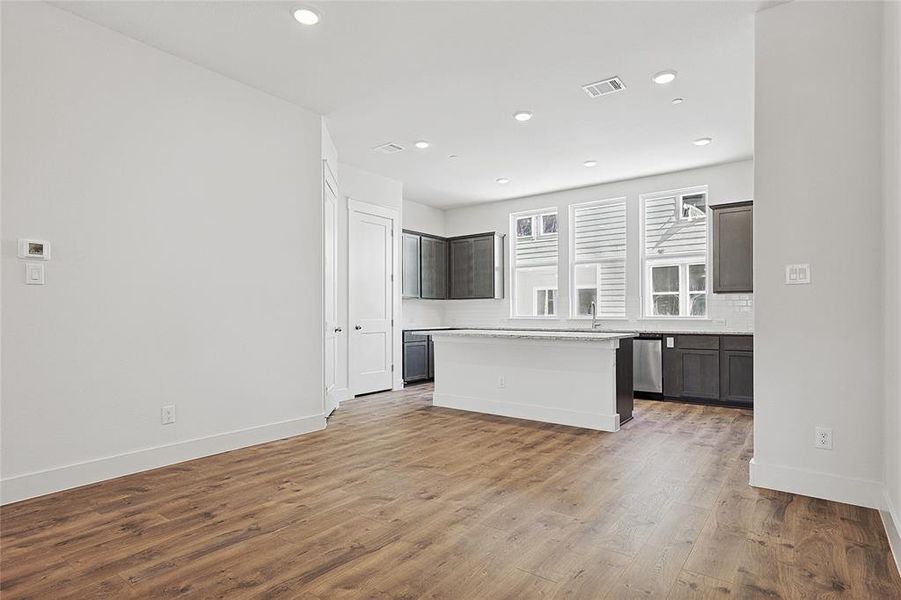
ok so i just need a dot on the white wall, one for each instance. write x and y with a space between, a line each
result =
423 218
383 191
417 312
369 187
818 186
184 214
892 301
731 182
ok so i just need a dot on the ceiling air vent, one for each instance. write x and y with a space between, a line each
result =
389 148
602 88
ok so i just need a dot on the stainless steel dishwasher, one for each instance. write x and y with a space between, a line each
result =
647 366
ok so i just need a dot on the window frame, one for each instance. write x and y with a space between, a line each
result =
516 227
536 216
574 314
681 259
540 219
684 293
575 311
680 205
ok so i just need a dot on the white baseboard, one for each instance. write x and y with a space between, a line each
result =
860 492
342 394
29 485
546 414
892 529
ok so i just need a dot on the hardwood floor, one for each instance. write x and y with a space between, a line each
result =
397 499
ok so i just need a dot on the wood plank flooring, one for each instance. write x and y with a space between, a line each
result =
397 499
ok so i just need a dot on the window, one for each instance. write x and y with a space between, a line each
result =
676 286
524 227
545 301
665 290
697 290
585 297
598 254
534 264
549 224
674 254
692 206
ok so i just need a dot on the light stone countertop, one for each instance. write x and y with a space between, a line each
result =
633 332
534 334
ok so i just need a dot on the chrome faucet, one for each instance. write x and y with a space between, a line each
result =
595 324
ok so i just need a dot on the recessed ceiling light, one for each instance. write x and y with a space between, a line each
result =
421 144
703 141
677 100
503 180
664 77
590 163
522 115
306 16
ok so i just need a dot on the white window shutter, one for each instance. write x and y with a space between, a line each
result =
599 237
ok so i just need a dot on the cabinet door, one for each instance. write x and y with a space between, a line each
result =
433 268
700 374
461 255
416 361
733 249
483 267
672 369
737 377
410 253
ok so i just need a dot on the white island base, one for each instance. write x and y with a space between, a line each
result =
568 378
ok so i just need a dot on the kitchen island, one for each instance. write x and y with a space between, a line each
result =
577 378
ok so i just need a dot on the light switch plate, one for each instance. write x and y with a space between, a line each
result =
670 342
797 274
34 273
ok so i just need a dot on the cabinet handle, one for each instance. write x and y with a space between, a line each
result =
358 327
338 330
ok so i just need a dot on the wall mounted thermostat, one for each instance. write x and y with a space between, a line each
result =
797 274
34 249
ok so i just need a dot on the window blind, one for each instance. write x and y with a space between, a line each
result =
599 239
536 251
666 235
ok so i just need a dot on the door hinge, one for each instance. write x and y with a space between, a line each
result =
392 368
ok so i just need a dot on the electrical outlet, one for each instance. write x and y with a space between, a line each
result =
501 382
823 438
167 415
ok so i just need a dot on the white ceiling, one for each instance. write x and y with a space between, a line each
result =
453 73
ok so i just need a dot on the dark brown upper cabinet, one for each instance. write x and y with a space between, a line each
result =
461 268
733 248
433 264
477 266
410 287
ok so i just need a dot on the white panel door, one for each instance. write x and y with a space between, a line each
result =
333 328
370 276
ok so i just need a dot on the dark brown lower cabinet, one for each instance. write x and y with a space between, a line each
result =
737 377
419 357
701 374
709 368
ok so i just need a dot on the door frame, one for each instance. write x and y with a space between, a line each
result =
397 381
331 400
